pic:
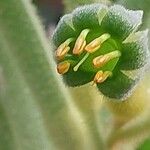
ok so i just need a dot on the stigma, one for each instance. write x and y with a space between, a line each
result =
63 49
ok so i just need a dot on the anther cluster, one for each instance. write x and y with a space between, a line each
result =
101 44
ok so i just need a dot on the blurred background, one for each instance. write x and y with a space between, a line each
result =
51 10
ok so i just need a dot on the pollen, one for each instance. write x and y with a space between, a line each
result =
101 76
63 49
96 43
101 60
63 67
80 42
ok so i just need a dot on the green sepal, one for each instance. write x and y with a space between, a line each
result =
141 5
120 22
78 78
117 87
135 52
88 16
64 30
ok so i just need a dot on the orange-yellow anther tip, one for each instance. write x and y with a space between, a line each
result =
98 77
80 42
63 67
100 61
101 76
96 43
63 49
93 46
61 52
79 46
103 59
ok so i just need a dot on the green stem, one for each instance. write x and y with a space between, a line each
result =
23 117
89 103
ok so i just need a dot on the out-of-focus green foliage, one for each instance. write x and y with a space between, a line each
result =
70 5
145 145
36 110
145 6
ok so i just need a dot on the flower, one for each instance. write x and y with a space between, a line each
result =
101 44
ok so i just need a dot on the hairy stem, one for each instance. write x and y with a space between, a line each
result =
89 102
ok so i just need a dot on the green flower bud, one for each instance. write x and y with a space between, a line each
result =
101 44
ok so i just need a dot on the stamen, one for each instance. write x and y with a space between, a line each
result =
81 62
63 67
80 42
96 43
103 59
63 49
98 77
101 76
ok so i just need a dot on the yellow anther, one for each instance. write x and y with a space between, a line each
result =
103 59
63 67
63 49
101 76
80 42
96 43
98 77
